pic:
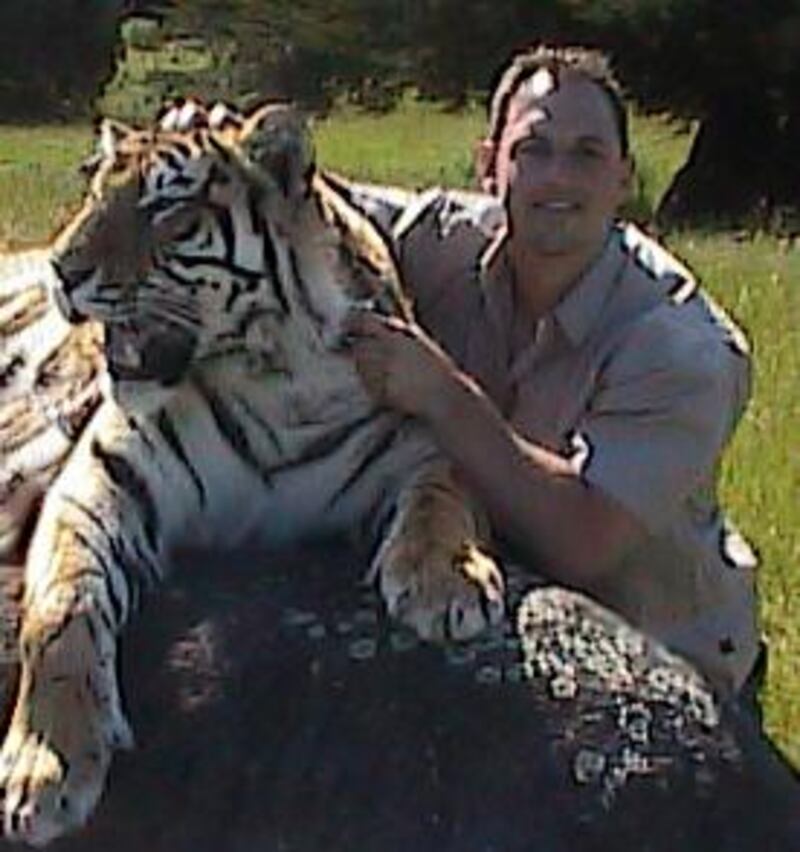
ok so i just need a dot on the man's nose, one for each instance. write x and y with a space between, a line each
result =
557 170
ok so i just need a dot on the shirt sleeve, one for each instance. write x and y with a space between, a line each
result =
384 205
667 402
438 242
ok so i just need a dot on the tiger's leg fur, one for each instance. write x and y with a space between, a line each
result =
431 571
68 717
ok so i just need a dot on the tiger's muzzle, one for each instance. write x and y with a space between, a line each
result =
153 352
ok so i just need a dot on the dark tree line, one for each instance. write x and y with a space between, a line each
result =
731 66
735 67
54 55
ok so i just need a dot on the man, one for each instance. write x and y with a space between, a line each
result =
583 385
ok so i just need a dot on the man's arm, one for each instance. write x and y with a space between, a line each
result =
573 531
653 435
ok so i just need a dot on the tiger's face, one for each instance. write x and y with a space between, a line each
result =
169 253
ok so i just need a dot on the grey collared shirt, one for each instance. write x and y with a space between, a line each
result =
637 377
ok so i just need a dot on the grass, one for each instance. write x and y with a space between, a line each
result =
754 278
40 179
415 145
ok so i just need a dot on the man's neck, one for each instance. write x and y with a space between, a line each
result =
543 280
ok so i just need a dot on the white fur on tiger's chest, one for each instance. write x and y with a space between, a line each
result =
308 435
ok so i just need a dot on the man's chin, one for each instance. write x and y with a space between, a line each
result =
554 244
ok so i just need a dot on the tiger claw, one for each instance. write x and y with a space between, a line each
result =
122 738
442 596
45 793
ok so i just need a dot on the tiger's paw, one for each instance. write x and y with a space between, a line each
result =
57 751
53 775
441 593
47 794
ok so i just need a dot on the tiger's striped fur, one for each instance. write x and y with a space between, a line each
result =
49 387
217 264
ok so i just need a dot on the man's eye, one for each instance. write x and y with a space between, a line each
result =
533 148
588 154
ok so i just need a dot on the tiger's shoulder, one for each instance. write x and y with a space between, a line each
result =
364 246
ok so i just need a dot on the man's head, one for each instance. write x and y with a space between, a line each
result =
557 149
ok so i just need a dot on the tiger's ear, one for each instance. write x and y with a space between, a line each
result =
277 148
110 134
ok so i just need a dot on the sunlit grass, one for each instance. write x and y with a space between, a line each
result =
39 179
415 145
757 281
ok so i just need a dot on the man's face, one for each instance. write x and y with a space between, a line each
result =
559 165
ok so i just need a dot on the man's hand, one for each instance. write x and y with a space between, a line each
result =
399 365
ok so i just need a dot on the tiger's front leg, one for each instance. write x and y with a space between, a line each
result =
68 717
96 548
431 570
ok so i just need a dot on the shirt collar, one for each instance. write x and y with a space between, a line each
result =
578 311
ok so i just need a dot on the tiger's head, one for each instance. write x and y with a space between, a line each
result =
174 250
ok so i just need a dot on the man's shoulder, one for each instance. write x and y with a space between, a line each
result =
400 212
653 259
441 239
679 316
443 211
438 236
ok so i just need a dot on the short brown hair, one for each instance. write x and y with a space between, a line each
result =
591 64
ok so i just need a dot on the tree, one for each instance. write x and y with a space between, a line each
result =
299 49
54 56
454 47
732 67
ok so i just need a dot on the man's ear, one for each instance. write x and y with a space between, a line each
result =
485 155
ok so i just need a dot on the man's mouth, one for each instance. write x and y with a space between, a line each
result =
559 206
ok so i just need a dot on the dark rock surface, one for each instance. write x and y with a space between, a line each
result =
276 709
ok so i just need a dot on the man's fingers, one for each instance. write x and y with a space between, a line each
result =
361 322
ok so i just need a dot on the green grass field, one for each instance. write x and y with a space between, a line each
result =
755 277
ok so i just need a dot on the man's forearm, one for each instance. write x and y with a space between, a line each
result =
535 497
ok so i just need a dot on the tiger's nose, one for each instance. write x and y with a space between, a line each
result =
60 287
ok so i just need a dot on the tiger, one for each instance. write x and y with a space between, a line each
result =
207 276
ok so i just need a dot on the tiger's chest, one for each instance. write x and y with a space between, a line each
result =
284 457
